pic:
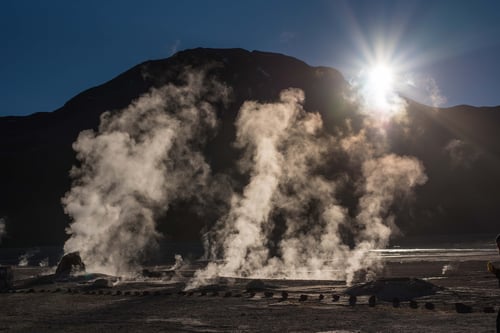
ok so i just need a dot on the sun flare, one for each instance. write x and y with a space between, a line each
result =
379 89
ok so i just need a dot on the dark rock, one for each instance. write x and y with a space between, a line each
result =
463 308
489 309
321 297
352 300
268 294
372 301
102 283
413 304
404 289
255 285
303 298
335 298
6 278
396 302
429 306
70 263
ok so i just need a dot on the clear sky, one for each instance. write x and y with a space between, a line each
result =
52 50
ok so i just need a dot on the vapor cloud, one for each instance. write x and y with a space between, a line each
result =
287 222
140 160
285 217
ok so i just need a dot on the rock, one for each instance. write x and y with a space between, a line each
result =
396 302
404 289
429 306
255 285
70 263
321 297
303 298
489 309
102 283
284 295
372 301
268 294
335 298
352 300
413 304
6 278
463 308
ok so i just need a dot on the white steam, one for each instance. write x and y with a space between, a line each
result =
287 221
285 150
139 161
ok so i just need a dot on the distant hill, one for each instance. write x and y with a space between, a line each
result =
459 146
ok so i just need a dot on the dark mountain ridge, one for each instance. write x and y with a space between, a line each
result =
459 146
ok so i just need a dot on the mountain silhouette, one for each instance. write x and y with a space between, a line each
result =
458 146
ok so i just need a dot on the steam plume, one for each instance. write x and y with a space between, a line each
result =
286 155
139 161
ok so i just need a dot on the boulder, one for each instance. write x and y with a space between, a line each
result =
403 289
6 278
70 263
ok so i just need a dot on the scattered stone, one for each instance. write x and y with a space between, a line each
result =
321 297
70 263
372 301
429 306
137 293
118 293
335 298
413 304
463 308
126 293
303 298
352 300
284 295
396 303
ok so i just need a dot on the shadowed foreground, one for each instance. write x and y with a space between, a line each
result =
274 306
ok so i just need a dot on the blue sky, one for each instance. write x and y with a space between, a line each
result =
52 50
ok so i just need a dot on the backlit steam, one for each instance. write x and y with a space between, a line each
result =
139 160
287 221
285 151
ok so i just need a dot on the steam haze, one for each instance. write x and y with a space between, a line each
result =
139 161
286 221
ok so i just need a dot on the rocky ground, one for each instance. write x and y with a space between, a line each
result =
236 305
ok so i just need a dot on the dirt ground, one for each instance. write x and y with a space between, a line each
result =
154 305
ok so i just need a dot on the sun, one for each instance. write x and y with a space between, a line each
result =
381 78
378 85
